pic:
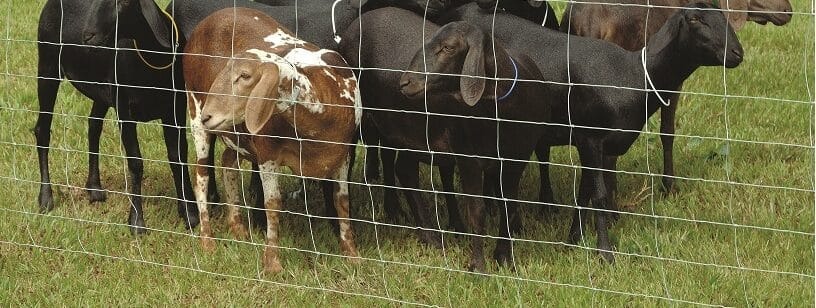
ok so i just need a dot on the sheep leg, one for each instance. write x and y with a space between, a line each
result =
330 203
95 122
341 204
510 221
175 141
212 191
454 215
591 154
545 192
232 186
407 170
257 216
611 181
47 95
203 144
272 201
472 182
135 165
667 114
580 218
391 205
370 136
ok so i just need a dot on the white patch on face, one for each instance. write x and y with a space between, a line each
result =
256 18
234 146
281 38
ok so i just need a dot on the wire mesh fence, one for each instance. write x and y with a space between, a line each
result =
734 227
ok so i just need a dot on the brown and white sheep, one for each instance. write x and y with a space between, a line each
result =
275 100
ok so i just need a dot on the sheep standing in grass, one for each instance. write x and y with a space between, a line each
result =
633 24
138 79
603 94
275 100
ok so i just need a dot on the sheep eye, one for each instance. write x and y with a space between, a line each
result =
244 75
447 49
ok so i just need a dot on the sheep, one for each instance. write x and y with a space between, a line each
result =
603 122
380 92
537 11
632 26
140 84
448 136
256 96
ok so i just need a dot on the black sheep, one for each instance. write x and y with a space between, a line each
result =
604 121
74 39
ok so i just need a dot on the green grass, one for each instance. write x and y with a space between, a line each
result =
713 243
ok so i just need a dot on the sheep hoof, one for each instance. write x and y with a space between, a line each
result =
96 194
476 265
208 244
431 238
607 256
239 231
504 259
271 262
46 200
137 224
189 214
669 188
355 259
575 238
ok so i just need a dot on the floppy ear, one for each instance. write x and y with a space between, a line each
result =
736 19
535 3
155 19
472 88
262 99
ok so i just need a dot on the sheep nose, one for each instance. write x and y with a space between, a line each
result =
205 118
88 37
737 52
404 82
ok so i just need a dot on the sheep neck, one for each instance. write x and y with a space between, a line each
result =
300 94
667 67
501 59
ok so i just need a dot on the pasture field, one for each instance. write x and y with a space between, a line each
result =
739 233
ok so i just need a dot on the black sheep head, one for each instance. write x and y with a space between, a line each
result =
141 20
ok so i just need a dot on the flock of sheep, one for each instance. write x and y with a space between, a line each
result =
480 84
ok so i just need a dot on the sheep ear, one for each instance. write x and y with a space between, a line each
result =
155 18
535 3
262 99
472 88
736 19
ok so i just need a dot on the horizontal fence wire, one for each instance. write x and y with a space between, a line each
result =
19 148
